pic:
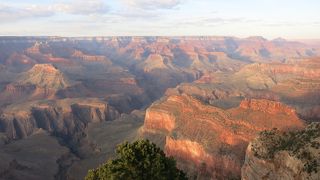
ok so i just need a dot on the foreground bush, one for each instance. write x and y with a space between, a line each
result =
138 160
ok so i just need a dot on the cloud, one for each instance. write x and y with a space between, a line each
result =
82 7
207 22
11 13
153 4
269 23
137 15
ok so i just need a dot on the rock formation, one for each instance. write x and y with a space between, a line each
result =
44 76
63 117
209 141
294 84
80 55
222 92
266 106
274 155
41 81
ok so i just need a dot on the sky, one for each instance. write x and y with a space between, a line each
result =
291 19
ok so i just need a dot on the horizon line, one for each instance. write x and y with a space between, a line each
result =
170 36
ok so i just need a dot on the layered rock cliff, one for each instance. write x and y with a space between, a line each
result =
296 84
80 55
274 155
130 72
65 117
266 106
210 142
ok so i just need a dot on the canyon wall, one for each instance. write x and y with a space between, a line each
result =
210 142
64 117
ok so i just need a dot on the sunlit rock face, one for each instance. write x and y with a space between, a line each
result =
162 120
266 106
295 84
210 142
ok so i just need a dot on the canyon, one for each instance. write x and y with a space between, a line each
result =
209 142
203 100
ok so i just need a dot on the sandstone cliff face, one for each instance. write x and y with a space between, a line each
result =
159 119
298 159
64 117
305 69
296 84
198 162
267 106
210 142
21 92
17 126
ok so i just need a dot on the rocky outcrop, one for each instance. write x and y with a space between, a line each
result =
17 126
80 55
306 69
284 166
294 156
160 120
154 61
266 106
296 84
35 49
63 117
210 142
42 81
44 76
192 155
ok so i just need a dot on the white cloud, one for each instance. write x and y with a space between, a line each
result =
83 7
153 4
206 22
10 13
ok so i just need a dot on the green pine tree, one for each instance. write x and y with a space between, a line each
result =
140 160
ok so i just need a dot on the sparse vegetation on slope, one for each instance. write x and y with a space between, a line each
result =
303 145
